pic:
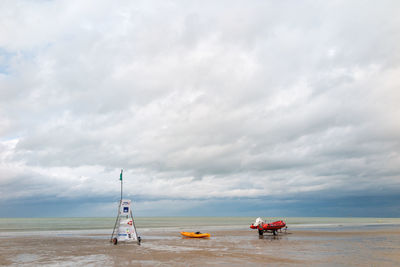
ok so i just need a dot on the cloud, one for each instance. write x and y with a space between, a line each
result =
199 102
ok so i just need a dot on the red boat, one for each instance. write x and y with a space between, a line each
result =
267 227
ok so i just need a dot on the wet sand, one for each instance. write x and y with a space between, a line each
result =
326 247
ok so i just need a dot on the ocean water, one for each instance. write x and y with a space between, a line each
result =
100 225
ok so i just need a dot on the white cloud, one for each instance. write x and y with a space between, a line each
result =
228 99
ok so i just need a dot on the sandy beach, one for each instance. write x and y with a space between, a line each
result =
326 247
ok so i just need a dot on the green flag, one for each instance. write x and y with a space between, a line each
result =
120 176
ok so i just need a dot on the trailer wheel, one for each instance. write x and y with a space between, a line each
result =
260 232
115 240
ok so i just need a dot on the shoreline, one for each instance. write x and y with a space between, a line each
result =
4 233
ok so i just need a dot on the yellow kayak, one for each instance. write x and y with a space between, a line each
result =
197 234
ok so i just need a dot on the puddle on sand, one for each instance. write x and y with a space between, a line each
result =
25 258
169 248
88 260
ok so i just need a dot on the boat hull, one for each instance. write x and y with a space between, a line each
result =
269 226
194 235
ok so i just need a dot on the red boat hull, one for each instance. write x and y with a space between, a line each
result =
269 226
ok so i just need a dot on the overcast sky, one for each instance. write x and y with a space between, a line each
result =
253 108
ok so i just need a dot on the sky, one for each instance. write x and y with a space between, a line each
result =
211 108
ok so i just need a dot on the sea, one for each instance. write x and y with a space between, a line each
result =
88 225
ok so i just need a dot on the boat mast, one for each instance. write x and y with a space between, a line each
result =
120 178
